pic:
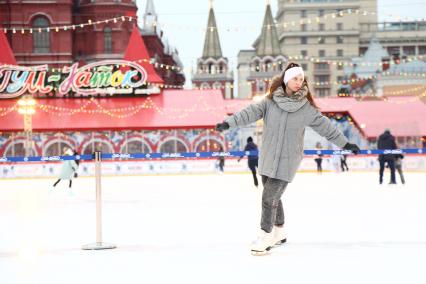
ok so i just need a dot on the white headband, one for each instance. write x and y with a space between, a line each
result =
293 72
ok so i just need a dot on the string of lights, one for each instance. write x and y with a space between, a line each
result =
285 24
5 111
236 28
175 113
259 65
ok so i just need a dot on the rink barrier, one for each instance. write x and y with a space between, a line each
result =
113 156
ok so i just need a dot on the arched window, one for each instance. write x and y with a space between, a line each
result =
221 68
56 148
107 40
257 66
136 146
17 149
173 146
41 38
209 145
97 146
204 86
217 86
211 68
268 66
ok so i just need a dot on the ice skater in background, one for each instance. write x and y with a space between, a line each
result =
286 110
68 170
343 163
398 166
221 161
252 159
386 141
77 161
318 158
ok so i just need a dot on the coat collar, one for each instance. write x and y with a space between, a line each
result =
290 103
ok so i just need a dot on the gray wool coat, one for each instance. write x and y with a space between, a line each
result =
284 123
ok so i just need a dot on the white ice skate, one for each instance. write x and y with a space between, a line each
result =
263 243
279 235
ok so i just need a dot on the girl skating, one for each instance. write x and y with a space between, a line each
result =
286 111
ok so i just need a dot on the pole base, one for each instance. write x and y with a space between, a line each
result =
98 246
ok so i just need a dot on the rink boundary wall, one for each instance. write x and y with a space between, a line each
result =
411 163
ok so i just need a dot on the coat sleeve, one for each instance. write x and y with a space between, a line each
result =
250 114
323 126
380 143
394 146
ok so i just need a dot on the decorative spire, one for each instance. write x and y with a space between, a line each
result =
150 17
212 44
268 42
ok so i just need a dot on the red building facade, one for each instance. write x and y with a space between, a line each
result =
25 24
33 47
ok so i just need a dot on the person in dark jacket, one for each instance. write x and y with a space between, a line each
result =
77 162
253 160
386 141
343 163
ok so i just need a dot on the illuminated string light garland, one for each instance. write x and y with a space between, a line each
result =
313 20
304 21
149 61
5 111
260 67
402 92
320 83
31 30
312 83
200 105
317 19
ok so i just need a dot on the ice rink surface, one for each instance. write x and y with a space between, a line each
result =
342 228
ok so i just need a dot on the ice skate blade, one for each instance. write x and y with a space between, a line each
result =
261 253
280 243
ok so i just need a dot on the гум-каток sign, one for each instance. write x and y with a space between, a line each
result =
87 80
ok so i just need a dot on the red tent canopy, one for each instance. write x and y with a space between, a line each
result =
173 109
404 116
6 54
189 109
136 50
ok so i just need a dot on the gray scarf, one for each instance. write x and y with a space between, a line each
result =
290 103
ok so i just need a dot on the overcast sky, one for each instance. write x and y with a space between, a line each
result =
184 20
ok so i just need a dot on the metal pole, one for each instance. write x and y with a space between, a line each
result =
99 244
28 134
98 197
